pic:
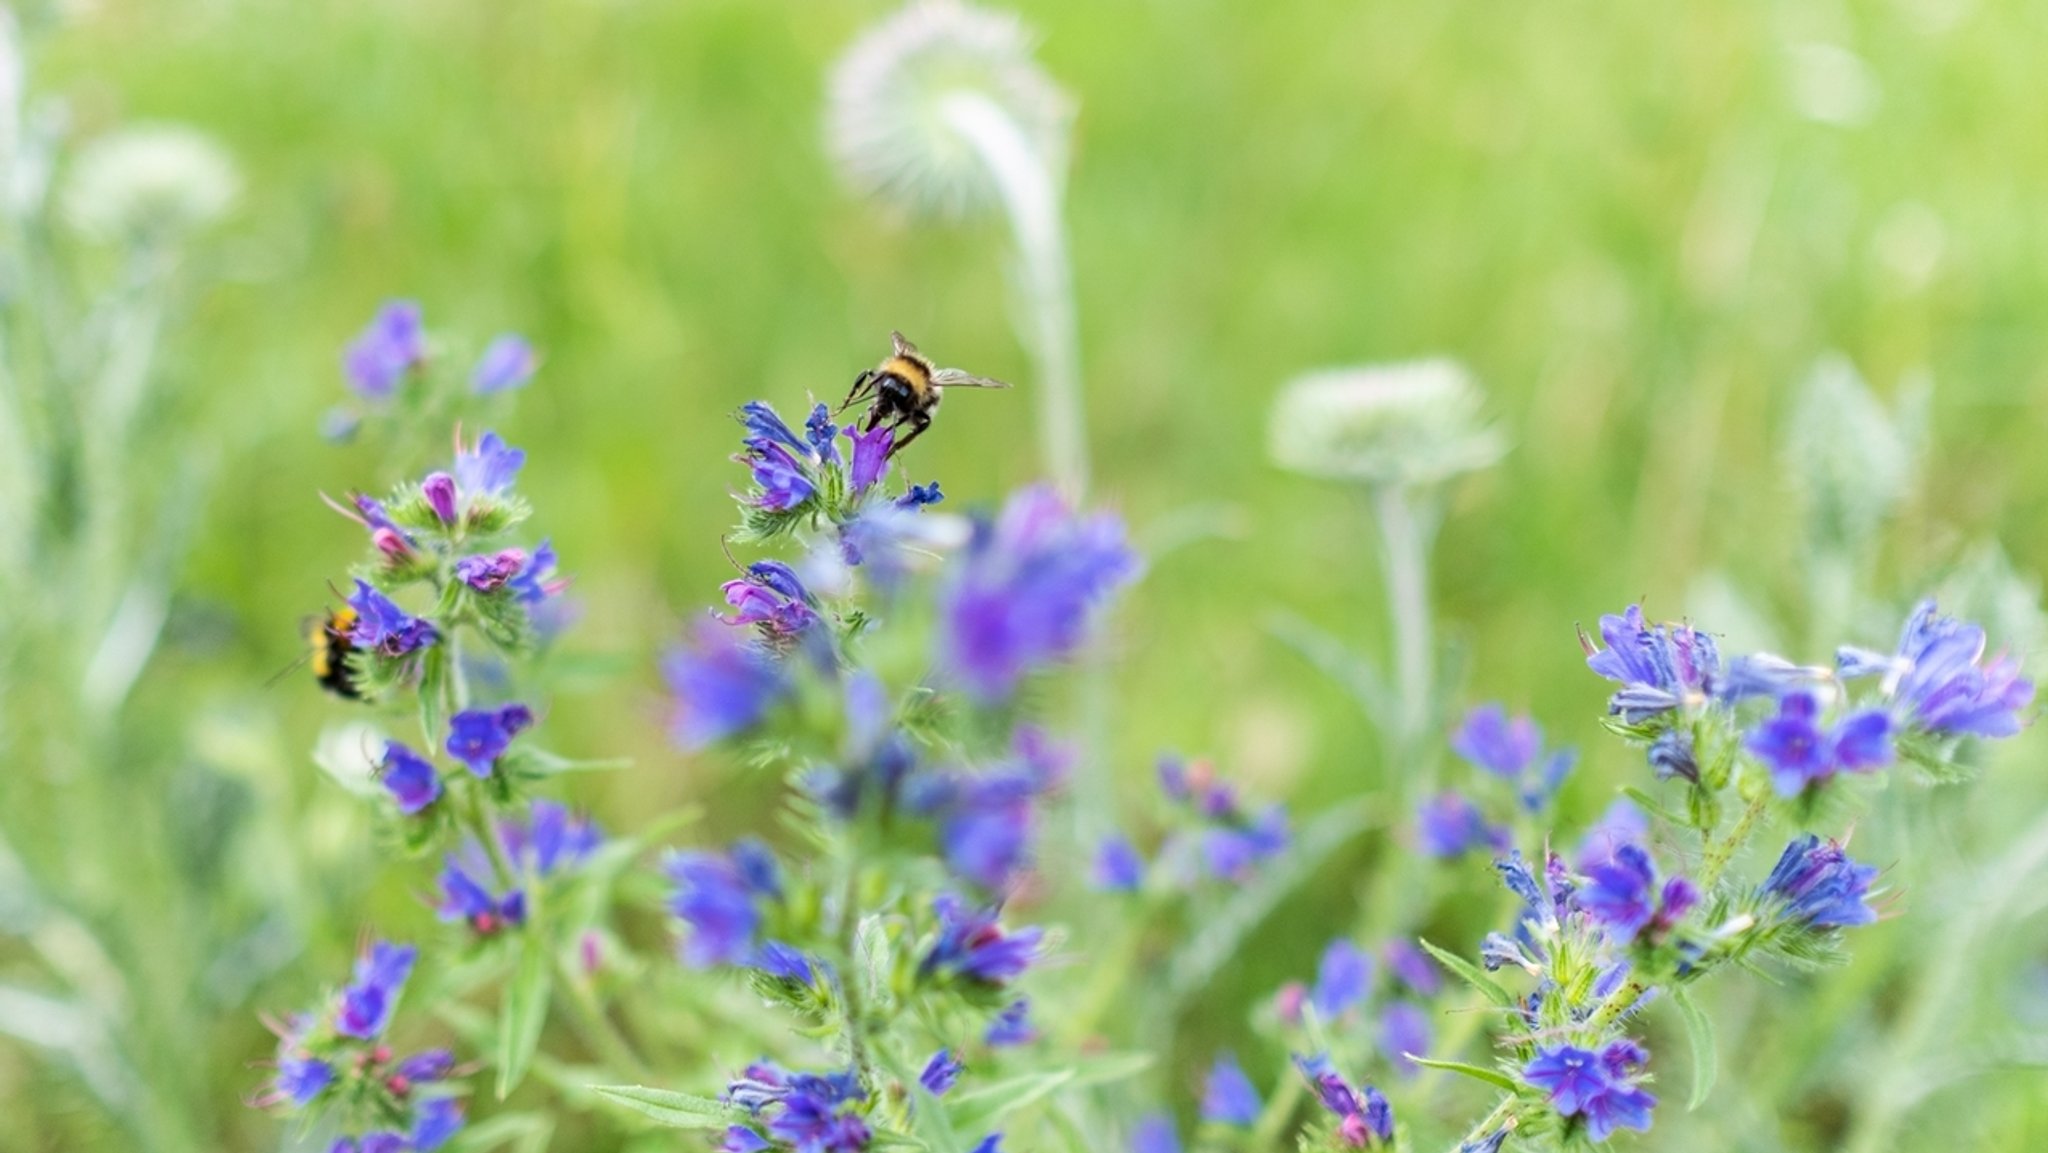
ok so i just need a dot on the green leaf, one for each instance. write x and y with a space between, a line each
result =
981 1108
523 1132
675 1110
1493 1077
525 1010
1471 974
1699 1030
1652 806
1108 1068
1330 656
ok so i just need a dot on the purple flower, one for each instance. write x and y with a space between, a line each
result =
1821 885
785 482
394 344
993 1143
1660 667
1154 1133
806 1111
508 361
771 596
1363 1115
486 468
439 491
1939 681
1012 1026
1342 978
972 947
409 777
1450 826
489 572
1491 741
1228 1097
720 897
920 495
1621 895
366 1004
1801 753
550 839
1022 593
721 687
870 457
536 581
301 1079
384 627
940 1073
1594 1086
425 1067
764 423
740 1139
1118 867
1671 755
1413 968
1404 1029
478 737
1622 824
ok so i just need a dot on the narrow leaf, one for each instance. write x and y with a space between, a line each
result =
1494 1077
524 1012
1471 974
980 1108
675 1110
1699 1030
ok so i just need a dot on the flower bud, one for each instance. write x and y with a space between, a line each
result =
1414 423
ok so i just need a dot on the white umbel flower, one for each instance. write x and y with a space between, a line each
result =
904 97
1418 422
149 182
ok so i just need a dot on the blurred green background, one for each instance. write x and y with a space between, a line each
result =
1640 225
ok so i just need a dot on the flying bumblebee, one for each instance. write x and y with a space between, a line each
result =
906 389
330 646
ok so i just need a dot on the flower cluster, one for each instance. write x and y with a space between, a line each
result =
1210 832
394 365
334 1062
485 893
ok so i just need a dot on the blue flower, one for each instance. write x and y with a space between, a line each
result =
920 495
507 362
1450 826
1594 1086
870 457
940 1073
740 1139
301 1079
385 628
1118 867
392 346
1413 968
1801 753
812 1113
1938 680
536 580
486 468
821 435
1821 885
720 897
551 839
971 946
1404 1029
1022 593
1228 1097
771 596
1671 755
764 423
1491 741
721 687
1342 978
1622 824
1154 1133
1363 1116
409 777
467 899
1012 1026
478 737
366 1004
784 481
1660 667
438 1120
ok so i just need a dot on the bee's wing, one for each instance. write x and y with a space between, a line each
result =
901 346
954 378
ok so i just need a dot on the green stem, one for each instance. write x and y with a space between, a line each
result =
1503 1116
1617 1003
1404 560
596 1025
1720 853
1279 1109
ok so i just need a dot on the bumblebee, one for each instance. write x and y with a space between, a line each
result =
906 389
330 644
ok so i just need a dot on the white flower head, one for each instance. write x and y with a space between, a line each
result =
149 182
1413 423
887 119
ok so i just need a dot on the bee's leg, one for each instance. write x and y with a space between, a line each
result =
862 385
919 421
